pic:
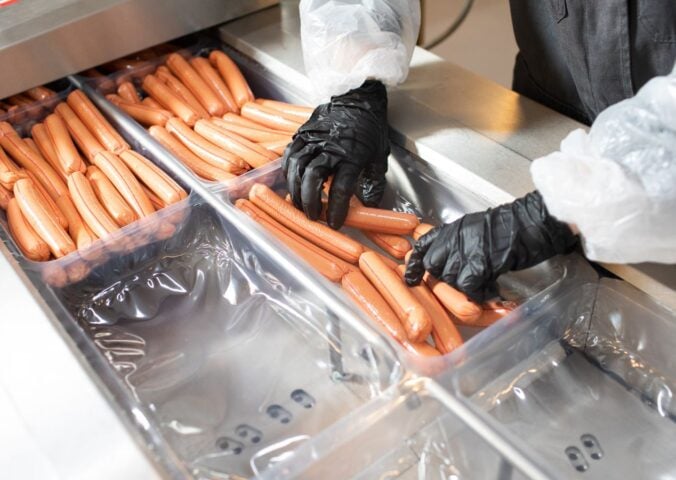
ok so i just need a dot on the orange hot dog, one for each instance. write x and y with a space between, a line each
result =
268 117
445 334
411 313
233 77
68 157
28 241
89 207
295 113
252 134
96 123
141 113
456 302
149 102
334 242
277 147
215 82
31 161
189 76
47 200
76 228
421 230
110 198
9 171
174 84
165 97
125 182
378 220
40 93
89 145
29 141
207 151
5 197
394 245
228 142
189 159
365 295
422 349
244 141
153 177
245 122
127 91
38 216
44 144
158 204
492 312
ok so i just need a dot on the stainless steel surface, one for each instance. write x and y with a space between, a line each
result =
43 40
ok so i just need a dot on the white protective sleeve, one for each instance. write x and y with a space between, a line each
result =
617 183
346 42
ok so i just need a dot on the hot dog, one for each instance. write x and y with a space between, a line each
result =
268 117
67 155
421 349
247 151
49 203
215 82
187 74
125 182
89 145
296 113
334 242
127 91
245 122
233 77
40 93
149 102
394 245
421 230
29 141
189 159
44 144
207 151
38 215
96 123
142 113
154 178
411 313
76 227
89 207
252 134
28 241
183 92
491 313
158 204
5 197
455 301
110 198
277 147
9 171
172 102
378 220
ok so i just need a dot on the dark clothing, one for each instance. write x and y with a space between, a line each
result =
581 56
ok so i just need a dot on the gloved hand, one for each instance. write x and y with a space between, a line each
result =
472 252
346 138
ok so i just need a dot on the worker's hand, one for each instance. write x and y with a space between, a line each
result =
346 138
472 252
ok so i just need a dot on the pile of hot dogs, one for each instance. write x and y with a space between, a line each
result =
76 181
203 111
422 319
28 105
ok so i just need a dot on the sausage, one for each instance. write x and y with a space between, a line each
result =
125 182
9 171
89 145
141 113
40 93
31 161
295 113
28 241
491 313
48 201
153 177
76 228
96 123
421 230
89 207
29 141
252 134
44 144
245 122
189 76
207 151
456 302
233 77
127 91
244 141
249 152
411 313
394 245
77 270
110 198
215 82
5 197
378 220
172 102
422 349
277 147
38 215
268 117
67 155
189 159
321 235
445 334
365 295
183 92
158 204
19 100
149 102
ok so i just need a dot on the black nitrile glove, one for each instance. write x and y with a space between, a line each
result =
472 252
346 138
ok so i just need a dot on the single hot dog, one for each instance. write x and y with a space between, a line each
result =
29 141
421 230
248 151
334 242
455 301
9 171
28 241
207 151
5 197
277 147
110 198
242 140
127 91
68 156
40 93
172 102
245 122
378 220
296 113
179 88
96 123
142 113
394 245
189 159
88 144
76 228
54 210
157 202
189 76
150 102
412 314
153 177
89 207
268 117
38 215
215 82
491 313
252 134
44 144
125 182
233 77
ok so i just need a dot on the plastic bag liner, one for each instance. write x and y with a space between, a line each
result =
587 380
235 362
